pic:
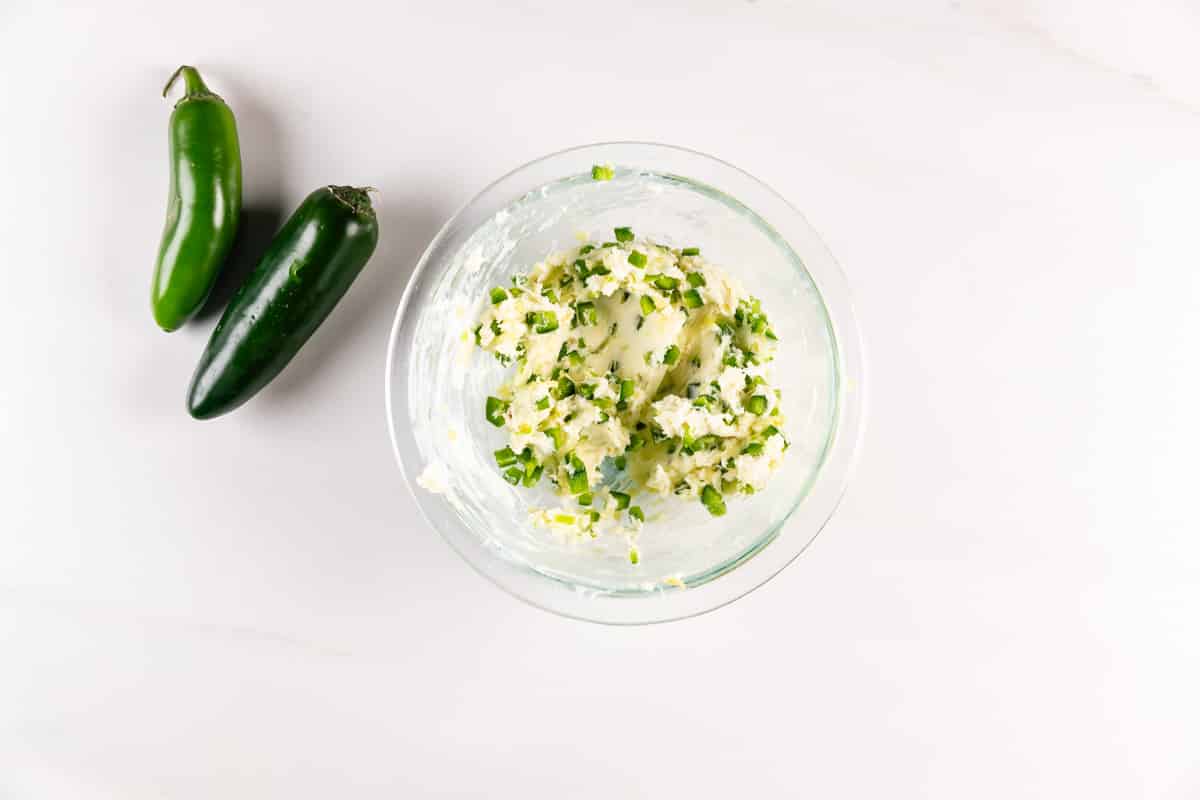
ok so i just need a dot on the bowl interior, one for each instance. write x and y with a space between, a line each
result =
446 379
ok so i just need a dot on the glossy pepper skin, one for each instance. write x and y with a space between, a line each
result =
203 204
309 265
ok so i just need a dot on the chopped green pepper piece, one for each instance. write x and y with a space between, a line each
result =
712 500
544 403
692 299
585 499
623 234
648 306
665 282
564 388
757 404
498 296
558 435
637 259
585 312
494 409
695 279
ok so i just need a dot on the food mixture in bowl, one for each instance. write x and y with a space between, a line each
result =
636 367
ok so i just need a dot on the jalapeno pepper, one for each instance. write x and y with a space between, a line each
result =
309 265
203 203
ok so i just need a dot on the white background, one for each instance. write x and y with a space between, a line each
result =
1005 606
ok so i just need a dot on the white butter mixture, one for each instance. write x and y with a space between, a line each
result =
644 358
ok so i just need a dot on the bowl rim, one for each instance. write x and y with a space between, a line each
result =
844 440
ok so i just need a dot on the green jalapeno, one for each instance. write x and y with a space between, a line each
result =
203 203
309 265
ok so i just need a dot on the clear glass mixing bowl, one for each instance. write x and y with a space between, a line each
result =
436 382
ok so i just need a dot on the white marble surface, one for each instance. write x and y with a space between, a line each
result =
1005 606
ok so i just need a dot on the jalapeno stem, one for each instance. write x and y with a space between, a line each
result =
193 84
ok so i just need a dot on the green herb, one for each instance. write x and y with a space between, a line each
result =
494 409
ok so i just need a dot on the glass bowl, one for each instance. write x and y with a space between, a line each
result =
436 383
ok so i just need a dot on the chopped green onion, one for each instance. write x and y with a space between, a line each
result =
623 234
564 519
753 449
493 411
495 326
759 324
578 482
691 299
595 517
757 404
671 355
585 312
619 462
585 499
587 248
770 334
478 342
666 283
550 295
637 259
602 173
514 475
587 390
627 387
712 500
565 281
622 500
576 464
505 457
544 403
690 251
574 357
695 279
558 435
648 306
633 556
636 513
609 244
708 442
498 296
770 431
